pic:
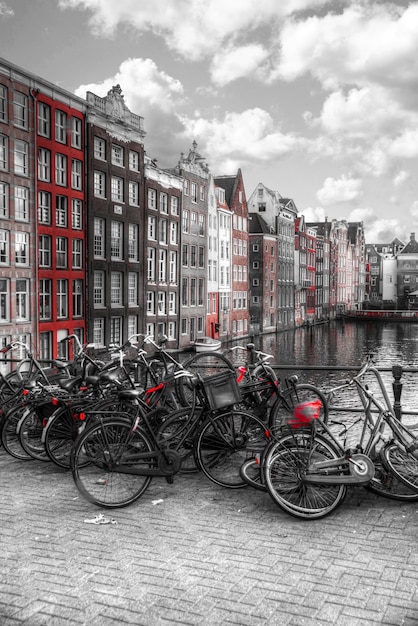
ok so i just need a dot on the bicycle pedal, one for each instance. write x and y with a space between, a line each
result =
170 479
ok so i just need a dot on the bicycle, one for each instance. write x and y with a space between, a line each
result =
307 468
114 460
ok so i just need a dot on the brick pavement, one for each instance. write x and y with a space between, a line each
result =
205 555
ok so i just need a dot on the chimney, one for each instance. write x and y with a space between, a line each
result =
412 236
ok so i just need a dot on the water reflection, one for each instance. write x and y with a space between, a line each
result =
344 344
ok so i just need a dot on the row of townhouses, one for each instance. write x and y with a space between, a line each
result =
99 241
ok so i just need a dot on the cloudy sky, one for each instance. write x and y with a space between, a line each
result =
316 99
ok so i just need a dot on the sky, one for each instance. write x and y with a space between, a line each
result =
316 99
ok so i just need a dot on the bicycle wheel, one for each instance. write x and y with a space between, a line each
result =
98 458
284 406
386 484
224 442
10 436
178 433
60 433
287 461
401 463
30 430
251 472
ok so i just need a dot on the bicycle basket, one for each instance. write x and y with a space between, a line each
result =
305 413
221 390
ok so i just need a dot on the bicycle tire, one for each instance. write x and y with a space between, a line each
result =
92 454
402 464
224 442
286 461
251 472
178 433
9 435
30 429
387 485
60 434
284 406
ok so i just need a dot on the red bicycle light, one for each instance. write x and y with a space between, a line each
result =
55 401
25 392
305 413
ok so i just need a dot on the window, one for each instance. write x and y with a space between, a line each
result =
152 199
61 211
44 207
184 292
200 291
152 227
132 325
45 298
116 330
185 255
62 298
201 225
202 192
76 214
98 332
99 238
22 299
174 205
116 289
76 174
77 298
99 288
76 130
162 265
45 349
44 120
44 251
61 252
20 108
133 161
151 302
193 292
133 193
192 256
3 103
174 233
163 203
172 303
151 261
201 257
44 165
173 267
4 152
22 248
133 289
99 149
4 300
61 169
21 157
22 204
117 155
60 126
4 200
99 184
117 189
163 238
186 187
185 221
162 302
194 193
77 254
116 240
133 253
4 247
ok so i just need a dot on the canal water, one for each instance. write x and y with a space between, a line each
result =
345 344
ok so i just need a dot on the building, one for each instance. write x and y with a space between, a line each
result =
116 220
193 292
237 202
163 200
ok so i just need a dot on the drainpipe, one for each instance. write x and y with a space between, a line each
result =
34 94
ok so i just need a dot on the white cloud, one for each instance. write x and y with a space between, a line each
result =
230 64
311 214
401 177
240 138
5 10
344 189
